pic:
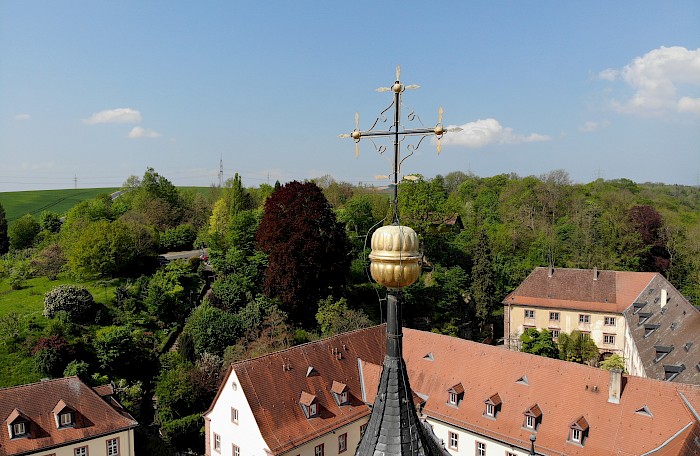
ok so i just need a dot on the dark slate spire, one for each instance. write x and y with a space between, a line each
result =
394 427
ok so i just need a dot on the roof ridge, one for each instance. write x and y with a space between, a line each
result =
39 382
301 346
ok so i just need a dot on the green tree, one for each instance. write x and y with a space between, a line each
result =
23 232
539 343
125 352
212 329
103 249
170 291
577 347
483 287
335 317
615 361
50 221
307 249
75 301
4 241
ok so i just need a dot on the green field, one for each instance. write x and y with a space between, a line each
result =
33 202
16 363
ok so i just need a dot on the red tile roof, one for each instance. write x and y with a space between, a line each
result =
563 391
37 401
277 391
581 289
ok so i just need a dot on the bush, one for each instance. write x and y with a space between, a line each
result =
77 302
49 362
79 369
179 238
185 433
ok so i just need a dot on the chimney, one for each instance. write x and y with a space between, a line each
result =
615 390
595 273
663 297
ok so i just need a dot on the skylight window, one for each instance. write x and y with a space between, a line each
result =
649 329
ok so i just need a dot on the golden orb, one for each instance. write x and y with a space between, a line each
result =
439 130
395 256
397 87
356 134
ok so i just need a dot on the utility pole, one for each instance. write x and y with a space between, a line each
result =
221 171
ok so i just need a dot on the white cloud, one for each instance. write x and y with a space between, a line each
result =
119 115
591 126
140 132
656 78
484 132
23 117
687 104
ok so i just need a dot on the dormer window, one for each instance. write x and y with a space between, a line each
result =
578 431
643 317
17 424
493 406
455 395
64 415
340 393
533 418
661 352
638 306
672 371
649 329
309 405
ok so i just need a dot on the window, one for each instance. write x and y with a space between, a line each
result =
454 440
234 415
490 410
530 422
584 319
529 314
236 450
217 442
313 408
480 449
82 451
19 429
65 419
508 453
363 428
553 316
342 442
576 435
555 333
453 398
609 339
585 335
113 447
609 321
343 398
318 450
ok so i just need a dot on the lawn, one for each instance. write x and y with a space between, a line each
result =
16 367
17 204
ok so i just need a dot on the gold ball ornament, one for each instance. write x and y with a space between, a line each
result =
395 256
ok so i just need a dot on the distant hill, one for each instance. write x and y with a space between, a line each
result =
34 202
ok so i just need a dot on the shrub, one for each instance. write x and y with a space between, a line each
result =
77 368
49 362
76 301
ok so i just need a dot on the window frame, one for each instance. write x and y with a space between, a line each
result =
609 321
217 442
363 428
576 435
114 441
454 398
319 450
554 314
343 398
529 314
555 333
342 443
480 448
608 339
490 410
71 419
81 451
234 415
453 440
235 450
584 319
15 425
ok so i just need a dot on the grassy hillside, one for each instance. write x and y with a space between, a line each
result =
33 202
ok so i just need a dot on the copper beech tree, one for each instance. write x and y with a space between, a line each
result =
307 249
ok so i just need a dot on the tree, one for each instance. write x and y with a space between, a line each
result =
49 261
124 351
307 249
335 317
4 241
22 232
75 301
103 249
483 287
170 291
615 361
50 221
539 343
577 347
212 329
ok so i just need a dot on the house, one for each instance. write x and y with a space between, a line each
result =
638 315
314 399
64 417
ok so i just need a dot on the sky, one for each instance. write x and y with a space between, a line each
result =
92 92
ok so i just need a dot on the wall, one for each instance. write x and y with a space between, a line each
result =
97 447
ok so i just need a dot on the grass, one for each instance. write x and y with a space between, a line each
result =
16 364
17 204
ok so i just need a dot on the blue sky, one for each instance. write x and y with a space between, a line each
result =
102 90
